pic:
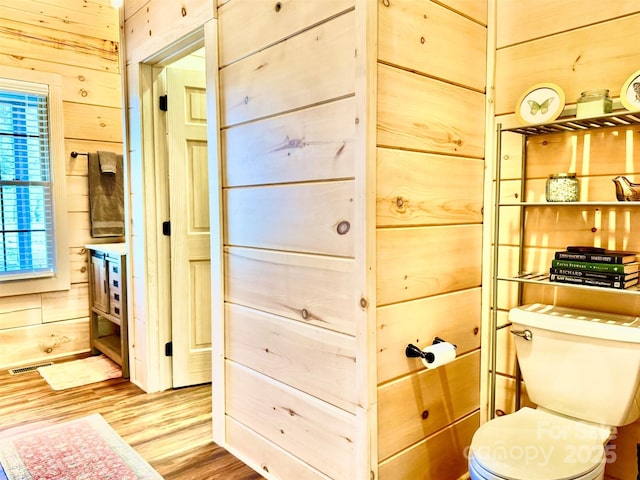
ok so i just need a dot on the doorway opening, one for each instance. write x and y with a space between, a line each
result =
174 118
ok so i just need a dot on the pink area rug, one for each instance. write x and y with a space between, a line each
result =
83 449
80 372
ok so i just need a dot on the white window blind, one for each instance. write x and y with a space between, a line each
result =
27 236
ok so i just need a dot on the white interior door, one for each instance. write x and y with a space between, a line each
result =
189 211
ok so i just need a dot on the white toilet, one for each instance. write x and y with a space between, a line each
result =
582 370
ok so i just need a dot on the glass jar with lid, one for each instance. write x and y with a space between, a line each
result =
593 103
562 187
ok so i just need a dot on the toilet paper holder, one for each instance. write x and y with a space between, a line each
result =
416 352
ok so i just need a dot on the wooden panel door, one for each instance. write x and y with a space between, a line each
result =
189 206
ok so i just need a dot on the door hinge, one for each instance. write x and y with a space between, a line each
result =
163 103
168 349
166 228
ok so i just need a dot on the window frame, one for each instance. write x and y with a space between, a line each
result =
60 280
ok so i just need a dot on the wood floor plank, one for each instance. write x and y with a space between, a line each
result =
171 429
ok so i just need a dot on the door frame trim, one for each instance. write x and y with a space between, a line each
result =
156 245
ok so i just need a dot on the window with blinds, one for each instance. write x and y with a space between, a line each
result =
27 236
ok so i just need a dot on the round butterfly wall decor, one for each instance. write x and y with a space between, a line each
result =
630 92
540 103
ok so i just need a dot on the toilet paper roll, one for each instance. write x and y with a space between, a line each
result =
438 354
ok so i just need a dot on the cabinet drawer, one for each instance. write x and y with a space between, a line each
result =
115 296
115 279
116 308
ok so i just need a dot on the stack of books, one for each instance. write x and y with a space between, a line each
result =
595 267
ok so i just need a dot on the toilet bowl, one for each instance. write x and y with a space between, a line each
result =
582 370
538 445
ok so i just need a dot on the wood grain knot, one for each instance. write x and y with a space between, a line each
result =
343 227
184 12
364 303
476 331
423 40
305 313
386 3
425 414
278 7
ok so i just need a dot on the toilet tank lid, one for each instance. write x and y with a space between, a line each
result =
586 323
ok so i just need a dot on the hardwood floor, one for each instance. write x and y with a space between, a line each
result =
171 429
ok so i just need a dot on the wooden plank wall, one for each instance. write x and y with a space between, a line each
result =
590 48
288 120
78 41
430 176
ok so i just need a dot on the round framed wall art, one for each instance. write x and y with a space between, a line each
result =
630 92
540 103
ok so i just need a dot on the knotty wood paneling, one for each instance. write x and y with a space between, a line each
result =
66 304
270 22
155 24
314 66
469 8
41 43
77 194
80 83
20 346
438 457
315 432
92 20
267 457
522 21
419 405
574 60
423 36
311 359
299 218
309 288
20 311
452 254
94 122
454 317
419 113
411 191
312 144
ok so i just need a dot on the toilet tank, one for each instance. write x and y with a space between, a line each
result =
580 363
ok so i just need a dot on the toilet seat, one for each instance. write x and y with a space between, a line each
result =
479 473
538 445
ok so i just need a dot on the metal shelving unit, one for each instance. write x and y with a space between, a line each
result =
566 125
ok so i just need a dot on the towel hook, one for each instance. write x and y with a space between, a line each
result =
75 154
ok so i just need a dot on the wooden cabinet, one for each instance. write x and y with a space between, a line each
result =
528 230
108 303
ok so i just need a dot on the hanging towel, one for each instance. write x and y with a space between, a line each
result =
106 198
108 162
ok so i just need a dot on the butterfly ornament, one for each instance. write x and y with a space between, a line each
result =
543 107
